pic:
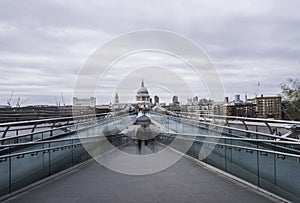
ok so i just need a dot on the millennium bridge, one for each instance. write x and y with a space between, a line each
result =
227 159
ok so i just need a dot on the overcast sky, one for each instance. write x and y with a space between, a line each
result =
44 44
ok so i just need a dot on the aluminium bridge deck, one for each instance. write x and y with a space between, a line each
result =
185 181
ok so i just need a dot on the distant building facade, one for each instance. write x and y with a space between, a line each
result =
84 102
259 107
245 109
226 100
117 100
268 107
116 105
175 105
227 110
237 98
175 99
202 106
156 99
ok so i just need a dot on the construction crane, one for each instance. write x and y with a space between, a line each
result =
19 102
10 98
258 84
62 99
56 101
16 102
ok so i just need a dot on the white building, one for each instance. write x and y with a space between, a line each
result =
86 102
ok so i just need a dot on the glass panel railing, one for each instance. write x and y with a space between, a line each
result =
217 156
79 153
288 177
60 158
57 132
242 163
23 139
193 151
5 176
267 171
37 136
254 157
46 134
34 167
22 165
251 156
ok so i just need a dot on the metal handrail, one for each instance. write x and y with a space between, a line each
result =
47 130
243 147
279 145
238 129
169 133
31 122
44 131
77 124
193 140
235 138
242 118
48 141
27 128
35 123
249 131
52 141
38 141
44 149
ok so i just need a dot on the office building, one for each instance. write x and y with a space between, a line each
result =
268 107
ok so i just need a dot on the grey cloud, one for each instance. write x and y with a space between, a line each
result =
43 44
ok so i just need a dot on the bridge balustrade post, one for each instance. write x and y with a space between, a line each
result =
33 128
269 127
5 131
9 172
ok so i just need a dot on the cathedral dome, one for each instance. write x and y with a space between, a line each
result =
142 95
142 89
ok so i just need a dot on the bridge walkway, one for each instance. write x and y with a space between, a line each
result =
185 181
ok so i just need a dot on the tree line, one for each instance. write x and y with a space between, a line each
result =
291 93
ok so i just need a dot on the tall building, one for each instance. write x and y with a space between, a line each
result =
195 100
116 99
226 100
268 107
156 99
237 98
175 100
174 106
